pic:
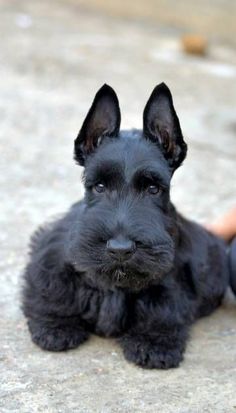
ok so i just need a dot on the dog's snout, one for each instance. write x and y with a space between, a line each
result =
120 248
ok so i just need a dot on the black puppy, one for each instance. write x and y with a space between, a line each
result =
123 262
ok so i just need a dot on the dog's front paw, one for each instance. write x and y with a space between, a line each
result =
56 338
144 352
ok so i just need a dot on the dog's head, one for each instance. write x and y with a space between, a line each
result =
126 231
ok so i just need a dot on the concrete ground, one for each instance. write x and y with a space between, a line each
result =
53 57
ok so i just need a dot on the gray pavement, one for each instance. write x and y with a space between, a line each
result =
53 57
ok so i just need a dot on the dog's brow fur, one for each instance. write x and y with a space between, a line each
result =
153 175
104 172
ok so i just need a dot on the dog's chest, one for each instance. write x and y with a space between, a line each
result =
106 311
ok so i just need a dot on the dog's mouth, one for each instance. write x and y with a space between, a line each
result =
128 275
125 279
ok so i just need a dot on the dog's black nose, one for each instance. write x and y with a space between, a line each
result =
120 248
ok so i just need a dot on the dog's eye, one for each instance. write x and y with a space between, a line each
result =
100 188
153 189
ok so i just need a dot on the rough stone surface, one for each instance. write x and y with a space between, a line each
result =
54 56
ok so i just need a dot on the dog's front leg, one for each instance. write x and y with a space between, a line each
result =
52 303
57 334
158 338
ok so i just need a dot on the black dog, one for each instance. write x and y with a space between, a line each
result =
123 262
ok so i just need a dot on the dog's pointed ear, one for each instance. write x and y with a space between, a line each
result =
103 119
161 125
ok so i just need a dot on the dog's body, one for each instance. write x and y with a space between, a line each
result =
123 262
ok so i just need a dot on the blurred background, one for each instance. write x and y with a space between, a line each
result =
54 55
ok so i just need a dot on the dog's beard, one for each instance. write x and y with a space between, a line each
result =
140 271
125 276
148 264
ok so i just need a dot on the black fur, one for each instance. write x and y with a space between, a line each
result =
176 270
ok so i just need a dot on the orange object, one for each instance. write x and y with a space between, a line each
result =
225 227
194 44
